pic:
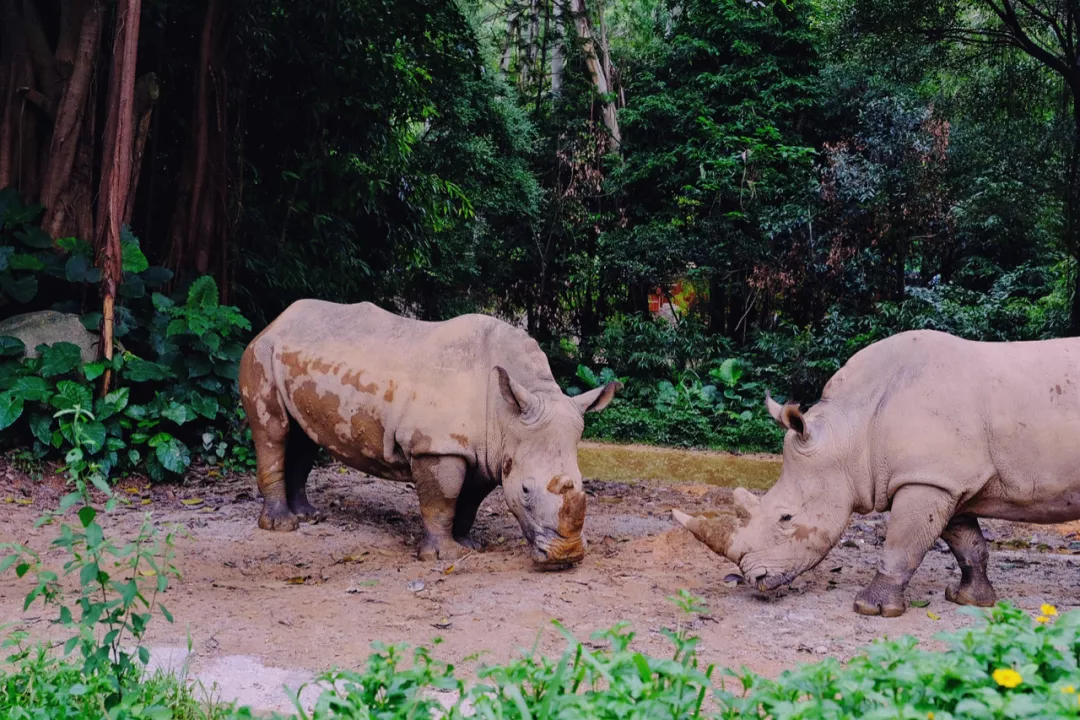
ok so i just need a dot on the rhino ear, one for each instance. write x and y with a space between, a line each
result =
515 394
788 416
598 399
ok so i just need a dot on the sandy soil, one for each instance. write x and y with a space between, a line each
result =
265 609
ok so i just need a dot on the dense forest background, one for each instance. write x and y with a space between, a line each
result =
706 198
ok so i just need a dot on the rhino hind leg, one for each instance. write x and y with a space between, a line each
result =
964 537
439 481
300 454
468 503
917 519
270 424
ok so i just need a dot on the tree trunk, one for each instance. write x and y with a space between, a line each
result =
67 136
597 69
117 165
199 232
557 59
146 94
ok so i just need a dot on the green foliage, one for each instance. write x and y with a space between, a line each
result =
178 395
1004 666
118 589
35 271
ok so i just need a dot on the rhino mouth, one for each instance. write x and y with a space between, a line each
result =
767 582
559 553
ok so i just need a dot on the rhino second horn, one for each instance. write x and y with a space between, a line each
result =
715 533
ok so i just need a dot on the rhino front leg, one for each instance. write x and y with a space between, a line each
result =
472 495
964 537
918 516
439 481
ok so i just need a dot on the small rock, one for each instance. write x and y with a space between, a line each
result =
821 650
416 585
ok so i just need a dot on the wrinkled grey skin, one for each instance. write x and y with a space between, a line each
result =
937 430
458 407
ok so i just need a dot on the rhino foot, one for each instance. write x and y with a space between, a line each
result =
467 542
305 512
440 549
881 597
977 594
278 519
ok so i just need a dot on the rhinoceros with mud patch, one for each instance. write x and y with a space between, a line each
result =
938 430
457 407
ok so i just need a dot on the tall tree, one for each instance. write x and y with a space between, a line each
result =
1046 30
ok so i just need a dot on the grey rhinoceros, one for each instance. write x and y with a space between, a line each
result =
938 430
457 407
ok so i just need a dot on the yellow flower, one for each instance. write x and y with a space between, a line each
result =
1007 677
1069 690
929 716
1042 619
1048 610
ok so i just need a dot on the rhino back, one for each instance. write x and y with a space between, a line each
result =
994 423
376 388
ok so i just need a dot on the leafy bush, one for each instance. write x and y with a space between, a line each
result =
673 394
175 380
183 397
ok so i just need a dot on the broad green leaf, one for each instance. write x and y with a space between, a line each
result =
173 455
139 370
92 436
32 388
21 261
75 246
76 268
161 302
204 405
41 427
21 290
94 370
11 346
11 408
92 321
132 257
203 294
61 358
87 515
70 394
178 413
36 238
730 371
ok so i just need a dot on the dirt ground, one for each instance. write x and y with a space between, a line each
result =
266 609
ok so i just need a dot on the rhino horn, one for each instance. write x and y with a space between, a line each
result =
715 533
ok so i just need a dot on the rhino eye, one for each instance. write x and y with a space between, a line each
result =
785 518
525 489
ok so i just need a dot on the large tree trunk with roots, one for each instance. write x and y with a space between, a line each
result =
199 232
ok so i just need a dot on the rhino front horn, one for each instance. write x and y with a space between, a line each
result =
715 533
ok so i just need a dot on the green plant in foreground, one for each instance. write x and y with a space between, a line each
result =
118 585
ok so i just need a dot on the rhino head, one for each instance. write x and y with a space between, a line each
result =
538 434
799 520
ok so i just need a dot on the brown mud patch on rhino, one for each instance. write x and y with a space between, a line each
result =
318 597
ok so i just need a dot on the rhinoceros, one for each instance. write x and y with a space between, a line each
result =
456 407
939 431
